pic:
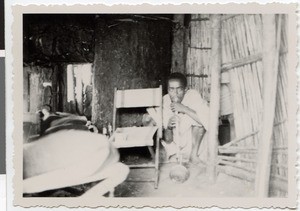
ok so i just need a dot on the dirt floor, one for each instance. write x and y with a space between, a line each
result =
197 185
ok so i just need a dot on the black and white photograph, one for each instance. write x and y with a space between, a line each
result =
155 105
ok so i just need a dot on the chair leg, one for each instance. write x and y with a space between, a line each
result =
156 178
151 152
156 164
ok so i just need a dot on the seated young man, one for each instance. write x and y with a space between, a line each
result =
183 110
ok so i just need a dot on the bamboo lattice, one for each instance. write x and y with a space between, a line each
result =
242 45
198 54
241 50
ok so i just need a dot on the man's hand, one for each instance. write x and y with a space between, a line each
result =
172 122
178 107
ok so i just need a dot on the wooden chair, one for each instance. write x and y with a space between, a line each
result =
129 137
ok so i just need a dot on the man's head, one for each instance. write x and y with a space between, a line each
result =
177 86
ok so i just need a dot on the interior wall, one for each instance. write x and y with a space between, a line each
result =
179 44
43 85
50 42
128 55
34 94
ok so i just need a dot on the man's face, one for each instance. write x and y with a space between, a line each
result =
176 90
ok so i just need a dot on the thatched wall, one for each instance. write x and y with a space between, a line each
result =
279 169
241 42
198 54
242 57
34 94
128 54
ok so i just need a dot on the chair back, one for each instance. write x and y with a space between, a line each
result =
134 98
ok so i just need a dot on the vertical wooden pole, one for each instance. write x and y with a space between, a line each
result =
215 65
99 75
54 87
65 90
178 64
271 45
26 90
35 90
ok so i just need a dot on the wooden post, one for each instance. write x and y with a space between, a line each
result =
178 64
35 90
213 128
98 74
271 45
54 87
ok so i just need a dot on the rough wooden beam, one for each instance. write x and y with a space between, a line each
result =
200 48
98 85
230 158
214 97
235 141
226 17
237 166
271 41
242 62
200 19
197 76
178 61
54 100
235 150
246 60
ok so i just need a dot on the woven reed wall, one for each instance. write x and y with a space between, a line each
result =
279 170
242 57
241 39
198 54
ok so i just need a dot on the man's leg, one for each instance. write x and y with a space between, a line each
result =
168 135
168 143
197 136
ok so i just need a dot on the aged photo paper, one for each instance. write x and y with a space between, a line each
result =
154 106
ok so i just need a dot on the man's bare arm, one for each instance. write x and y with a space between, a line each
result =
185 110
168 135
191 113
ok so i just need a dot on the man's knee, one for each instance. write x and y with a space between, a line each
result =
197 133
198 130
